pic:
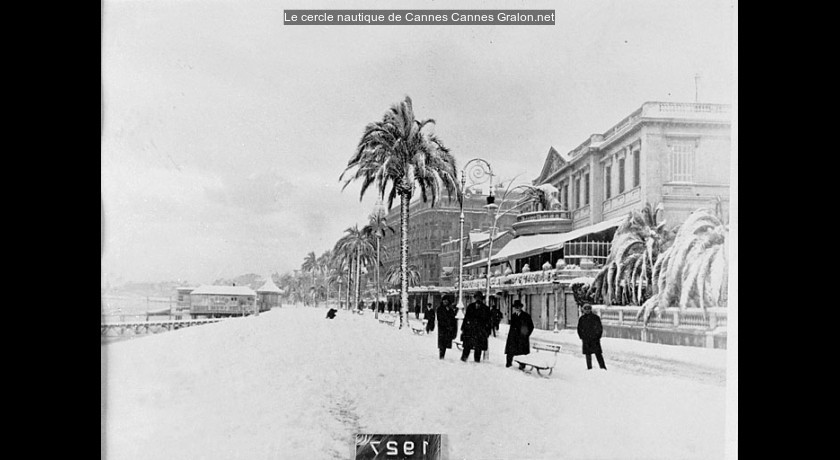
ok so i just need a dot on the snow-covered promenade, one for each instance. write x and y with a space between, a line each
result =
290 384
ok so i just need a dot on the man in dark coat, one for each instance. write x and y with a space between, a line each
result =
589 330
519 336
496 316
429 316
475 328
447 326
331 313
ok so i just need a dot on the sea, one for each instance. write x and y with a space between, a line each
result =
126 307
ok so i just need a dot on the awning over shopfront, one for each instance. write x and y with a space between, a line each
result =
529 245
477 263
525 246
583 231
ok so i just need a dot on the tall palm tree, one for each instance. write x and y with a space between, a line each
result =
336 275
342 261
399 153
310 265
357 242
324 262
626 277
379 226
692 273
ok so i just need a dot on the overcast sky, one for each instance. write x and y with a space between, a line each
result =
225 132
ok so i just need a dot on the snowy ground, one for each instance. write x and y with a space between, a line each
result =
290 384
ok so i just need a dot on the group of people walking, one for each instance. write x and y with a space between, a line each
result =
480 321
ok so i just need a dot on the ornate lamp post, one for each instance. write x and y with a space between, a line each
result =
493 210
480 169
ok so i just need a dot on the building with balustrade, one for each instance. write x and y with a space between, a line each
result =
676 154
476 247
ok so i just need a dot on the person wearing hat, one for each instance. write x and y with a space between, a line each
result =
447 326
589 330
476 328
429 316
495 318
518 339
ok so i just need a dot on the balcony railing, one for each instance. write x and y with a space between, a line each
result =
623 124
557 275
689 107
590 249
539 215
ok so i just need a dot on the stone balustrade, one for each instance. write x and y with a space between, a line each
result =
668 318
536 222
551 214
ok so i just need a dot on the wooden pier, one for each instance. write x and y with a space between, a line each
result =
118 329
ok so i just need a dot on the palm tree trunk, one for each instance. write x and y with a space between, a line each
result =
404 198
349 284
349 280
376 302
358 275
339 292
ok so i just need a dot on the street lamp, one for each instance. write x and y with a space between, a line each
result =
480 169
493 210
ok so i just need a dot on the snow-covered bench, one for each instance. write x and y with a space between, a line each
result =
540 361
418 328
387 320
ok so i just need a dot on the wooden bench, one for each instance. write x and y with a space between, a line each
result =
540 361
387 320
418 328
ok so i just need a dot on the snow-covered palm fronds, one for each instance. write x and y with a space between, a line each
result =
692 273
627 274
544 196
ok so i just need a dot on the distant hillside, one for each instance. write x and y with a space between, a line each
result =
168 288
159 289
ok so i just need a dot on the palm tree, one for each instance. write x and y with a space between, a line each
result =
399 152
394 275
626 277
543 196
692 273
393 278
336 275
342 261
324 262
287 285
358 243
310 265
379 226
